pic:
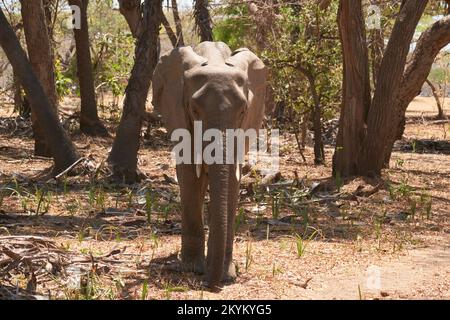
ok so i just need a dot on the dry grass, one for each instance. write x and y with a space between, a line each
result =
312 250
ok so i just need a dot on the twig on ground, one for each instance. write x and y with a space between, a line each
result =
70 168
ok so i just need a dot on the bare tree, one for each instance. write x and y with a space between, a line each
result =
376 46
176 39
382 110
172 37
203 20
319 152
431 41
178 25
89 120
356 88
21 104
433 88
41 58
397 84
123 156
61 148
131 10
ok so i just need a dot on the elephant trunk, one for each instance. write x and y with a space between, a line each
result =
218 211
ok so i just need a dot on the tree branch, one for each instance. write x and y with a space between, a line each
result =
388 86
427 48
203 20
178 25
433 40
131 10
169 30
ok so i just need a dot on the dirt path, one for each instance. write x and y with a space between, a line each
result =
421 273
418 274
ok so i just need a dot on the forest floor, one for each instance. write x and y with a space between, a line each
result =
304 236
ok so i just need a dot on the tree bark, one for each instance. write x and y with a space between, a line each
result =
123 156
89 120
203 20
21 104
319 153
356 88
376 47
440 114
48 17
131 10
62 149
376 53
39 52
324 4
170 33
427 48
178 25
380 122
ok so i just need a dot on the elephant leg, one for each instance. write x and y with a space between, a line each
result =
192 191
229 273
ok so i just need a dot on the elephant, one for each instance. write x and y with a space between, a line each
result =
224 90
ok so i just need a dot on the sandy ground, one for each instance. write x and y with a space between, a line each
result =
390 244
427 106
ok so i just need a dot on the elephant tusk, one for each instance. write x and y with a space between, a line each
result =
238 172
198 170
198 165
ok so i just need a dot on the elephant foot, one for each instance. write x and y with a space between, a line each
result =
214 289
229 276
229 273
197 267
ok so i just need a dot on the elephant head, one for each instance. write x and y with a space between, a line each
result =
223 90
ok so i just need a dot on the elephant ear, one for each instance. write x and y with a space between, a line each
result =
168 86
256 72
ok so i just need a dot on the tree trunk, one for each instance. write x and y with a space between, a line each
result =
427 48
21 104
131 10
356 88
62 149
203 20
319 153
440 114
123 156
39 52
178 25
170 33
376 47
380 122
89 121
49 17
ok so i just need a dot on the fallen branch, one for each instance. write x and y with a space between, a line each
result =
70 168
